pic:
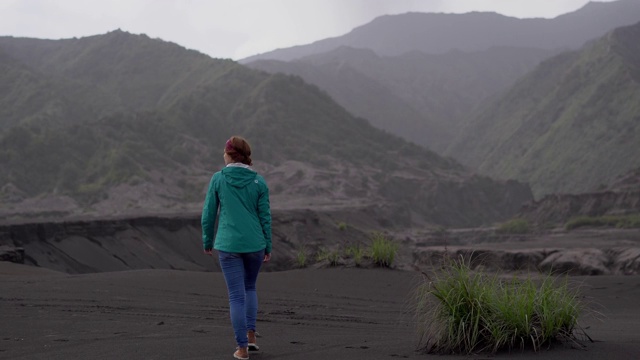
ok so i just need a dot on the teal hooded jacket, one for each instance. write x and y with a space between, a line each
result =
241 196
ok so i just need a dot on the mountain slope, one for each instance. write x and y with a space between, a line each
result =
439 33
417 96
362 95
570 125
311 150
27 95
117 62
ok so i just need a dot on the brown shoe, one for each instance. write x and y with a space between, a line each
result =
241 353
253 344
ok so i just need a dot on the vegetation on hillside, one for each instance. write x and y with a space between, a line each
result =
515 226
168 112
84 159
569 126
420 97
141 73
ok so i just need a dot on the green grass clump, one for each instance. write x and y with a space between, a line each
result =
383 250
301 258
618 221
515 226
464 312
332 257
342 226
322 255
357 252
629 222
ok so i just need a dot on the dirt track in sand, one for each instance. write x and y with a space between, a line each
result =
305 314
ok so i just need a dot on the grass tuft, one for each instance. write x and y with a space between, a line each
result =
301 258
515 226
383 250
460 311
332 257
618 221
357 252
322 255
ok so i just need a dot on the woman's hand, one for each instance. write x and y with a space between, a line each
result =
208 252
267 257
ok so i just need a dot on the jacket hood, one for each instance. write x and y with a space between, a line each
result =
238 176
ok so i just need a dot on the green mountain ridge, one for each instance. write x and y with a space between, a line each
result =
117 63
570 126
418 96
157 148
28 95
362 95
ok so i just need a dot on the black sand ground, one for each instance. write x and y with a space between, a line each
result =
305 314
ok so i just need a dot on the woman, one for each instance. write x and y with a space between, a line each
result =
243 237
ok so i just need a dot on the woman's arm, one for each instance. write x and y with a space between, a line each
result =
264 214
209 214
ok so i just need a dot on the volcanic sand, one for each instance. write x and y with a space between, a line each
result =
304 314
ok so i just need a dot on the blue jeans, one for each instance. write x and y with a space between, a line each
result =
241 272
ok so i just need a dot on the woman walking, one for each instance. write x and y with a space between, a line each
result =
243 236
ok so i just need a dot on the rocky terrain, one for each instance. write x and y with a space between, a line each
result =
160 242
577 252
173 242
558 208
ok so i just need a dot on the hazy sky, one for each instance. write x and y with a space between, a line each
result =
236 28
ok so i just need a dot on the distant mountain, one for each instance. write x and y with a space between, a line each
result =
118 63
173 109
430 33
27 94
570 126
418 96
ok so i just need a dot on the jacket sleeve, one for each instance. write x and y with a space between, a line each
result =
209 215
264 213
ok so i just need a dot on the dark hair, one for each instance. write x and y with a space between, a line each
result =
238 150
